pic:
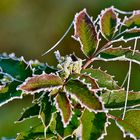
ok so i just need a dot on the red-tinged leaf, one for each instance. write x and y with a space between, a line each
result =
41 82
85 33
133 21
108 23
85 97
64 107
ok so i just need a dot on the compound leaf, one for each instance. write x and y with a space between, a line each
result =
93 125
85 97
85 33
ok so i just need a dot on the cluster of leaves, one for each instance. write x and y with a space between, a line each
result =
74 101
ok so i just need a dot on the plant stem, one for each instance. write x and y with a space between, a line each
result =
90 60
128 82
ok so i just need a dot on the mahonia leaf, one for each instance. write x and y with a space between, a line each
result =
64 107
133 21
85 33
121 54
108 23
74 123
128 35
36 132
85 97
116 98
9 92
46 110
93 125
86 79
103 79
16 67
38 68
131 124
41 82
30 112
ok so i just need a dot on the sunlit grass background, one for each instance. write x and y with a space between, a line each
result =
30 27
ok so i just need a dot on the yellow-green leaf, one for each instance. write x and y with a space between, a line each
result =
133 21
108 23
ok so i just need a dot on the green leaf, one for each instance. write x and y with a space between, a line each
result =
30 112
85 79
9 92
128 35
133 21
64 107
85 97
46 110
108 23
131 123
93 125
41 82
116 98
16 67
103 79
121 54
85 33
41 67
36 132
65 132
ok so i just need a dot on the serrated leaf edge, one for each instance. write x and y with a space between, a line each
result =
82 105
107 123
124 132
61 113
117 18
38 90
119 58
77 38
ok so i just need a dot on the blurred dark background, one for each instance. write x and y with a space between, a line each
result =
30 27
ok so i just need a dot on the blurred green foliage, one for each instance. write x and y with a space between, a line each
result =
30 27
